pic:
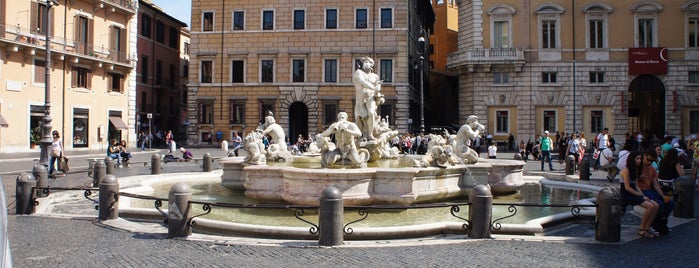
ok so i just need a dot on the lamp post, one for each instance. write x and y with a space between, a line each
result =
421 65
46 138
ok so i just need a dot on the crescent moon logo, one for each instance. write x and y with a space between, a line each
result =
663 51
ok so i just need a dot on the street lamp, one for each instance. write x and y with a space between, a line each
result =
421 52
46 138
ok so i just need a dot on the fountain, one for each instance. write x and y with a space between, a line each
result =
361 163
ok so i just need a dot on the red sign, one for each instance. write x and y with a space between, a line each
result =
648 60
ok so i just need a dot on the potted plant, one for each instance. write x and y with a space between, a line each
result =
34 136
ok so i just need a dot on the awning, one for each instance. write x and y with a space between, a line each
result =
118 123
3 122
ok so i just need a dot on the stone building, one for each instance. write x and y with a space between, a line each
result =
296 59
530 66
92 77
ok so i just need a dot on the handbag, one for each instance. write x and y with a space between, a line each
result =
63 164
55 153
596 154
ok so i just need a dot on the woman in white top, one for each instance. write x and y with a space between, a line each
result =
573 146
582 145
56 151
492 151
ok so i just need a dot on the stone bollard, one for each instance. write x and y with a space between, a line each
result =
179 210
609 212
584 174
155 164
99 172
208 162
109 164
108 205
24 195
480 212
224 145
684 188
41 174
570 165
331 217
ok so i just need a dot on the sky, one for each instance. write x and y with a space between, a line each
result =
179 9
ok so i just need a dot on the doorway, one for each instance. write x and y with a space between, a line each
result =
298 121
647 106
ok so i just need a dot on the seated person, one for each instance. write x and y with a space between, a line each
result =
186 154
114 150
607 162
124 153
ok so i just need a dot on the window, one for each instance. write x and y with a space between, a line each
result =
357 64
144 69
159 32
268 20
693 33
171 79
330 71
186 48
548 34
39 71
693 121
361 19
158 72
80 127
81 77
501 78
645 32
386 18
174 38
596 33
116 82
237 110
207 71
386 70
329 111
144 101
267 71
548 77
502 125
331 18
145 25
693 77
550 121
237 71
238 20
39 14
207 23
298 70
118 44
387 112
501 34
596 77
265 106
206 112
185 70
83 34
299 19
596 122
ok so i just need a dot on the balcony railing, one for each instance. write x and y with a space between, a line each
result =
484 55
24 37
129 5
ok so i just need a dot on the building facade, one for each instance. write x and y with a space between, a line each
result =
159 83
297 60
91 75
529 66
442 96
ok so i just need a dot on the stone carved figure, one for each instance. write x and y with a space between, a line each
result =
439 153
254 148
385 134
278 150
462 142
368 97
345 133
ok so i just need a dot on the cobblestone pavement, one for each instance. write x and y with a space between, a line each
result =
39 241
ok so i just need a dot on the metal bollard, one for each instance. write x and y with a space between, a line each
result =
41 175
584 174
570 165
480 212
331 217
155 164
24 196
207 162
609 212
108 205
179 210
109 164
684 187
99 173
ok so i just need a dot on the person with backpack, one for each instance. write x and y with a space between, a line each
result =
546 145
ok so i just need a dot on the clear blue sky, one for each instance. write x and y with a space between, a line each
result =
179 9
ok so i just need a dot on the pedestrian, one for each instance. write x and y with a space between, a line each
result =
56 151
546 145
141 140
237 143
219 137
492 150
168 139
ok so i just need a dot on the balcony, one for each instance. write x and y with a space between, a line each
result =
485 57
18 38
127 7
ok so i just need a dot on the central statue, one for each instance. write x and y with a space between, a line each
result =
368 98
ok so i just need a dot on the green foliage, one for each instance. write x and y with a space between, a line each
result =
35 135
